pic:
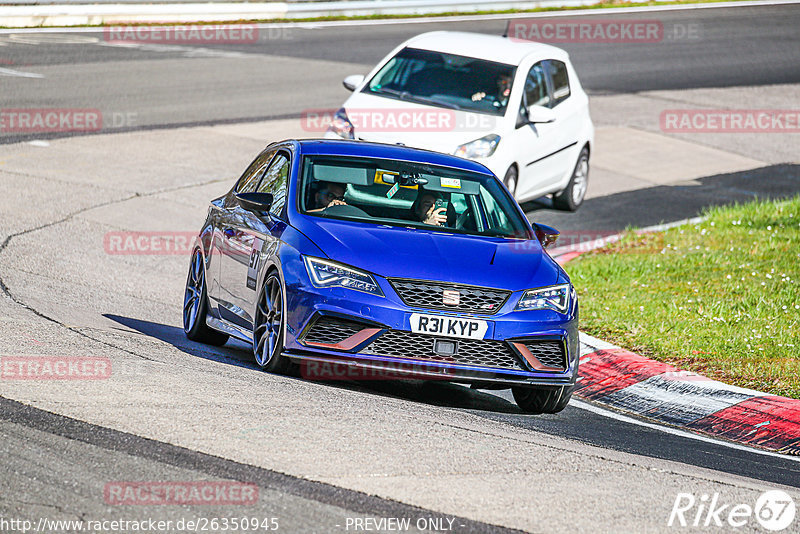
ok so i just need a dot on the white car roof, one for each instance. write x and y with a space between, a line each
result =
483 46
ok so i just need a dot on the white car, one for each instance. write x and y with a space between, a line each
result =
515 106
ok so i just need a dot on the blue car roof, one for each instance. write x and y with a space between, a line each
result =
343 147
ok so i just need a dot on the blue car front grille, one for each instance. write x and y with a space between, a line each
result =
483 353
409 345
442 295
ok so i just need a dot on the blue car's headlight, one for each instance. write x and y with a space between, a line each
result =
546 298
327 274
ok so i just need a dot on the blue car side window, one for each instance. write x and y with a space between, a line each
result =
249 180
275 181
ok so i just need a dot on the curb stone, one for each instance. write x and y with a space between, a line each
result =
617 378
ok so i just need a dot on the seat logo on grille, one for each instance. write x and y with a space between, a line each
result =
451 297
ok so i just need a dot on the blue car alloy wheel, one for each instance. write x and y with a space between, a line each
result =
268 331
195 305
399 262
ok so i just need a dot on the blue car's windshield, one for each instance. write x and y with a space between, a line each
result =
445 80
410 194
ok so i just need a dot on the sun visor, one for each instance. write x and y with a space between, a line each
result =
342 174
444 184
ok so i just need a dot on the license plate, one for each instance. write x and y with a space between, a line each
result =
441 325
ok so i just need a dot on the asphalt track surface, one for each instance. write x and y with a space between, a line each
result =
166 87
289 70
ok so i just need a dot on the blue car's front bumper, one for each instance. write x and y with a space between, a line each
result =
346 327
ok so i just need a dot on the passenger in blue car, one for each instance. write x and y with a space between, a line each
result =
425 210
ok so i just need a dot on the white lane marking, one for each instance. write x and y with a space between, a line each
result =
37 39
540 14
19 73
676 432
187 51
591 344
674 224
676 401
603 412
39 142
587 246
455 18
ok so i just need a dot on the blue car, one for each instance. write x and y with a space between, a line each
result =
363 260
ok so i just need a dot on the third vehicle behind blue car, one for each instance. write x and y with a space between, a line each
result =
381 257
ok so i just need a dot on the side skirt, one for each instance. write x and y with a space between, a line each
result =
221 325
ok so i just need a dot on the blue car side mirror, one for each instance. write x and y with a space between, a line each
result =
546 235
255 202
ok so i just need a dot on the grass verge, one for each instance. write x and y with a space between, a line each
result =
603 4
720 297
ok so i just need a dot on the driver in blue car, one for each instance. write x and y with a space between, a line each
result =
329 194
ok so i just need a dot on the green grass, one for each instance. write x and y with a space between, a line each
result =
719 297
603 4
